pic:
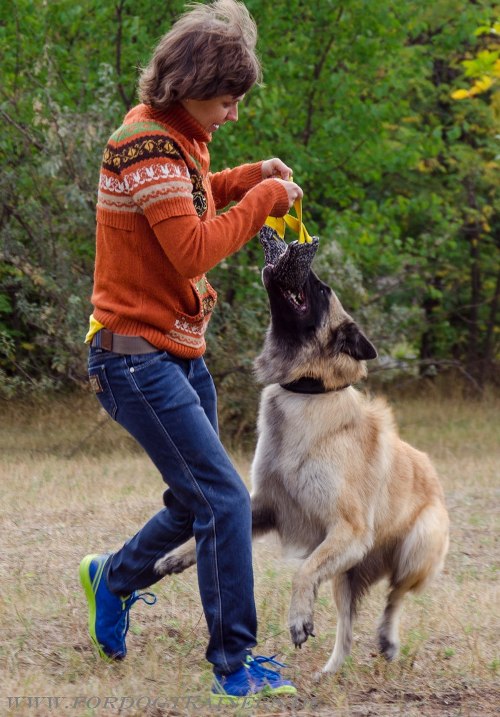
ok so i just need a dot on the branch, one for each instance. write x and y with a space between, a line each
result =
10 212
435 363
392 284
349 157
316 75
318 68
85 440
22 130
488 340
118 53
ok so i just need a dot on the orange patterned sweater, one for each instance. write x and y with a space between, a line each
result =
158 231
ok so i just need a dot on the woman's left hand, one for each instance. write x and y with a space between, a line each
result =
275 168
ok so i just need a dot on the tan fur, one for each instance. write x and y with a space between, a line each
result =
332 477
348 495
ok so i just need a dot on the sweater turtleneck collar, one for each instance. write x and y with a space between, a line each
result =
181 121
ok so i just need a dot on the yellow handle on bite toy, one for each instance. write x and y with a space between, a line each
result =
279 224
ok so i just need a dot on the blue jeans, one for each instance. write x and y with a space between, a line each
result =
169 406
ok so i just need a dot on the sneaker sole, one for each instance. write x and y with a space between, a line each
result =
225 699
86 582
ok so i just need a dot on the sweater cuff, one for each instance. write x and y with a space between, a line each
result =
253 174
280 196
168 208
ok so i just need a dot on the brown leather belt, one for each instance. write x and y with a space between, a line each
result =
119 344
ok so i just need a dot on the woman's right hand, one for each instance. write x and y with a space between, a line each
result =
293 190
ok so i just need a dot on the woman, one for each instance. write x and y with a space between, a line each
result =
157 235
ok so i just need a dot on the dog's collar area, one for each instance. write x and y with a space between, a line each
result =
307 384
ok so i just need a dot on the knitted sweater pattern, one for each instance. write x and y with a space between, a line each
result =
156 195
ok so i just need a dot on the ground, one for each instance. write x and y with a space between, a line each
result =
72 482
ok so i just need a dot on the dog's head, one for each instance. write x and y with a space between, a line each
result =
310 335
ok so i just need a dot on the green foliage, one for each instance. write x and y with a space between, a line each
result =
400 178
69 73
403 178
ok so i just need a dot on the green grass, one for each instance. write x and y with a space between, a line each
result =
72 482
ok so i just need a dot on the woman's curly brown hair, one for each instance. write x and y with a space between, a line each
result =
208 52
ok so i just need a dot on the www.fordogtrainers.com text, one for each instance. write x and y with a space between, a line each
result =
114 703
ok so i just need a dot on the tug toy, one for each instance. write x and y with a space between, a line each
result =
291 262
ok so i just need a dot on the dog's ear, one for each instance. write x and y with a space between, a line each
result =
349 339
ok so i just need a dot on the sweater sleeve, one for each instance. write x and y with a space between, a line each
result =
194 246
145 169
231 184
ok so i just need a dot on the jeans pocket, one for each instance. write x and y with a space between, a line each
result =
100 385
143 361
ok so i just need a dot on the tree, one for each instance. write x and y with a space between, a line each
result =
399 177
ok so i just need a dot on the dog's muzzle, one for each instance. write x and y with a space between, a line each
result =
291 263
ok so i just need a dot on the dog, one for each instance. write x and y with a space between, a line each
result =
330 474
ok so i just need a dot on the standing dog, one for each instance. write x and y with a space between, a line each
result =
330 474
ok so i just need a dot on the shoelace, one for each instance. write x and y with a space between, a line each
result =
255 667
127 604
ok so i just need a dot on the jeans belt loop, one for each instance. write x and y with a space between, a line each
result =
106 339
120 344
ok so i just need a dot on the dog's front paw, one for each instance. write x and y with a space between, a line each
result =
300 616
176 561
170 565
300 630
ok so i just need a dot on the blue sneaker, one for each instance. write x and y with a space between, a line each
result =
108 613
250 682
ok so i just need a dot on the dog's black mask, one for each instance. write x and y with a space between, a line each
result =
300 301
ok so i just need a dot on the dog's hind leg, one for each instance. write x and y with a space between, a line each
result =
388 629
345 614
263 516
419 557
348 589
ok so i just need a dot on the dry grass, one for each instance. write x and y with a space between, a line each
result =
64 496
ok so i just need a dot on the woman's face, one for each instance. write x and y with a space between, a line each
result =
213 113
